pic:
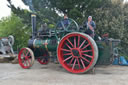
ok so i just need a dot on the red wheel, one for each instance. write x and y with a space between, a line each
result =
77 52
44 60
26 58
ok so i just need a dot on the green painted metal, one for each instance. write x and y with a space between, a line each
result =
48 44
105 53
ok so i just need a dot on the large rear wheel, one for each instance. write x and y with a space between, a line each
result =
77 52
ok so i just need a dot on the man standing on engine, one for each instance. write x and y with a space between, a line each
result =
90 25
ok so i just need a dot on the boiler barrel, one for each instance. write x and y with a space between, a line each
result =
45 44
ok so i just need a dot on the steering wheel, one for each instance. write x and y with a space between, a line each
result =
65 26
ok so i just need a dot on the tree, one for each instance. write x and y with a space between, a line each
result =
43 14
110 19
13 26
111 16
125 36
50 9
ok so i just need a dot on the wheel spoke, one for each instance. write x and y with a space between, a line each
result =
85 59
78 62
68 46
62 25
87 51
65 50
42 60
71 61
67 58
23 55
24 52
29 56
68 54
88 55
82 63
86 46
27 53
78 41
69 25
25 63
74 64
70 42
26 58
29 62
74 42
82 43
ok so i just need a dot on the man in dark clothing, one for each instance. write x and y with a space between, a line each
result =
90 25
66 20
64 23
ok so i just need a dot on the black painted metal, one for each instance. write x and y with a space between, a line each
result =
33 21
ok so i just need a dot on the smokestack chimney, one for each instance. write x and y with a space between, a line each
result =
33 21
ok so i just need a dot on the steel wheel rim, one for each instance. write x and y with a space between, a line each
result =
26 58
75 60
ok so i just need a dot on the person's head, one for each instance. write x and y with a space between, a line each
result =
65 16
90 18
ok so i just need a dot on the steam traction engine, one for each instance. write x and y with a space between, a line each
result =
77 52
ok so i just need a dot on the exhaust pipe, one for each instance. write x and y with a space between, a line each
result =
33 22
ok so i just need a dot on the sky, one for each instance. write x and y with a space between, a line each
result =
5 11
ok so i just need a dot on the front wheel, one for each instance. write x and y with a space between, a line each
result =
77 52
26 58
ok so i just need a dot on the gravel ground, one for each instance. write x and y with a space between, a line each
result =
54 74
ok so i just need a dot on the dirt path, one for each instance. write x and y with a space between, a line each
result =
52 74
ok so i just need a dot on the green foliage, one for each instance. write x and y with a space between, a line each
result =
113 20
49 9
111 16
13 26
